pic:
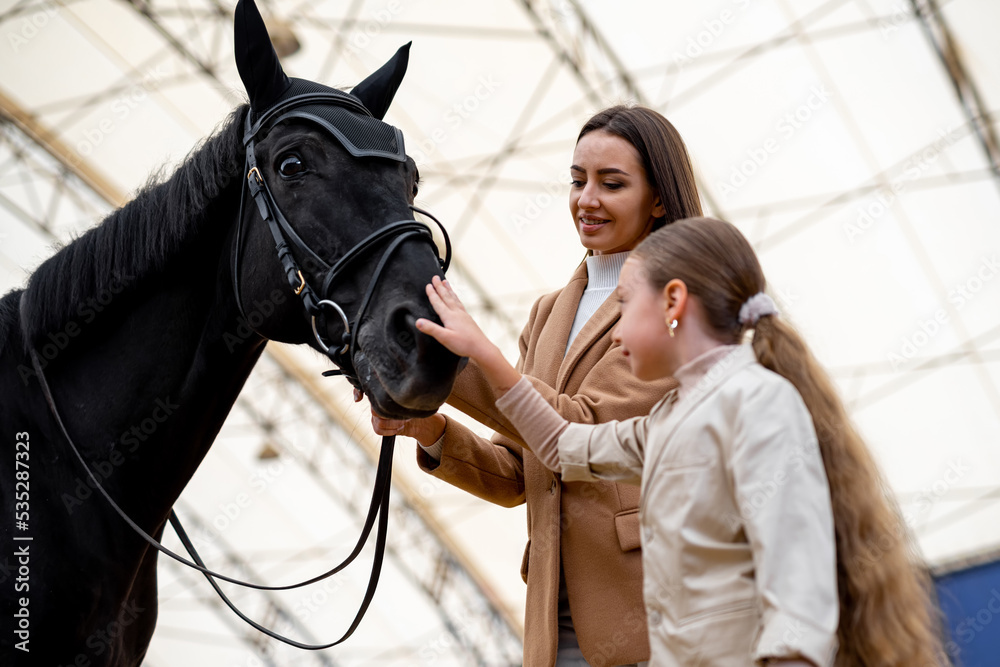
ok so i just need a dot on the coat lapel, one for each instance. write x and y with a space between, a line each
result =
599 323
551 344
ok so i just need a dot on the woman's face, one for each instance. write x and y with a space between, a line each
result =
612 204
642 328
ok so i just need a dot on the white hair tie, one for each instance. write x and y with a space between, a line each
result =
756 307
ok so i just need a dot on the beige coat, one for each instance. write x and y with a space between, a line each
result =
737 530
593 527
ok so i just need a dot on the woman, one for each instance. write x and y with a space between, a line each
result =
630 175
761 504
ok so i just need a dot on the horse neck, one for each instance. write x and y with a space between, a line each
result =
159 380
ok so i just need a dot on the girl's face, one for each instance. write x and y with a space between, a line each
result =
612 204
642 329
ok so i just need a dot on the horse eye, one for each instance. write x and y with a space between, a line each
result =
415 189
291 166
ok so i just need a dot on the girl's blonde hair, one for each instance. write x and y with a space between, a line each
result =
888 614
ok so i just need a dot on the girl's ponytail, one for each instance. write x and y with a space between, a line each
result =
888 615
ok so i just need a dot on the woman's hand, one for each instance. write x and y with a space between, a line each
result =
426 430
462 335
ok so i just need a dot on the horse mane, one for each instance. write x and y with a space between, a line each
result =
134 241
8 314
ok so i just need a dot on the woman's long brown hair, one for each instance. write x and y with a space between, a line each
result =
888 614
662 152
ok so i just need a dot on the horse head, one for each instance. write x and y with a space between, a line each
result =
334 186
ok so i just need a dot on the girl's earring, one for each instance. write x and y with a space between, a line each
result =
671 325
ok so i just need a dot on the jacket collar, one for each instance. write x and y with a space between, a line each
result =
739 358
694 374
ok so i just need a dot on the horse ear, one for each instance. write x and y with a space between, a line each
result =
263 78
376 92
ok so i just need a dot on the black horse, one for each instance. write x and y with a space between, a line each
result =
147 326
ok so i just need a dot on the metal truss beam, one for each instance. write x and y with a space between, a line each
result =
69 160
598 69
264 606
948 50
212 17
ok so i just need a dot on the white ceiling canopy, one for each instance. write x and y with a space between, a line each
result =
853 141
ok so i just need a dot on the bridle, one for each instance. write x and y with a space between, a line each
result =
287 241
321 108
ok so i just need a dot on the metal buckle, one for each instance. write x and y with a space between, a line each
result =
343 318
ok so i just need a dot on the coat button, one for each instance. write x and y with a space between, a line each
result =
654 618
552 488
648 533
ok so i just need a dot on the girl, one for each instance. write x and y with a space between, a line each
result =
761 504
630 175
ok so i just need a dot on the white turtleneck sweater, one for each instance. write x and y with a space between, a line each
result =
602 279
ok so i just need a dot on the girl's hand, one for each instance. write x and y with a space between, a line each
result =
460 333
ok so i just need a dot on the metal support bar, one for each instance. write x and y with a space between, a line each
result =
269 610
941 38
581 45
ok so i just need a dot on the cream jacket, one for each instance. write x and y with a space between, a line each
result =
737 530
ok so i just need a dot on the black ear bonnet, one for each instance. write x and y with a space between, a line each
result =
354 119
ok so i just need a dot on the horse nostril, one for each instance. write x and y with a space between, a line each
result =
403 329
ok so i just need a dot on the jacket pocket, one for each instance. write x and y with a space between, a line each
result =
683 465
724 635
524 562
627 525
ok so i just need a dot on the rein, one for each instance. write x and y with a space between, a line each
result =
379 507
394 234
